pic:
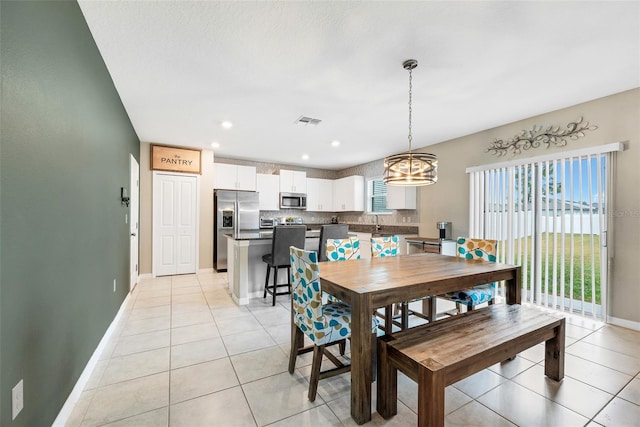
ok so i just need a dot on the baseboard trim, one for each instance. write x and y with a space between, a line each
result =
629 324
145 276
72 399
206 270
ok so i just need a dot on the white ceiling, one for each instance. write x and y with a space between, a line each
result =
183 67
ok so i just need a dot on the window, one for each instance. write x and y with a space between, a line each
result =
377 196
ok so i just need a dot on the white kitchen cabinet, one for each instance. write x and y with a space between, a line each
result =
401 197
234 177
293 181
348 194
247 178
319 195
268 187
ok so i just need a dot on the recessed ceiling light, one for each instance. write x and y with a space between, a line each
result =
215 145
335 143
226 124
305 157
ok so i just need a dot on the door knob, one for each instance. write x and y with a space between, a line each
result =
133 234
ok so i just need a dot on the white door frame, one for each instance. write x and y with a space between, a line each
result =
155 183
134 222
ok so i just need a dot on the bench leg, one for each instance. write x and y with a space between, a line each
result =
430 397
387 383
554 354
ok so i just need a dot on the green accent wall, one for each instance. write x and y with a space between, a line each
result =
64 154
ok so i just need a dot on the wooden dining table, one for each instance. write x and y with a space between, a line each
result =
368 284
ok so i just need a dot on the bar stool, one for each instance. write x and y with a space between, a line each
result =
284 236
330 231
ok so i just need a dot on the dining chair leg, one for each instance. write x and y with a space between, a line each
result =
388 319
318 351
374 356
342 346
297 340
266 282
404 321
429 308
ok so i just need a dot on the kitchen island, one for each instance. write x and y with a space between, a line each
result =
246 271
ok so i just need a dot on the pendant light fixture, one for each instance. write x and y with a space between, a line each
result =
410 169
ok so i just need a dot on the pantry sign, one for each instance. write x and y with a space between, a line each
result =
174 159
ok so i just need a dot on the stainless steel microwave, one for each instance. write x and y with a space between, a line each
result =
293 201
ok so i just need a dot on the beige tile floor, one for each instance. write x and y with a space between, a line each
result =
184 354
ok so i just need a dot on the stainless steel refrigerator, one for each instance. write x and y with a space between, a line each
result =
234 211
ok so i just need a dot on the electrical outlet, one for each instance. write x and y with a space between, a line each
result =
114 285
17 400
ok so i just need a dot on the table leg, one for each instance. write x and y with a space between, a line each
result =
361 363
514 288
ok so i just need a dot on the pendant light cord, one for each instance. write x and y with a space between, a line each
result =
410 93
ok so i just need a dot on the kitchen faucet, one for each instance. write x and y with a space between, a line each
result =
378 227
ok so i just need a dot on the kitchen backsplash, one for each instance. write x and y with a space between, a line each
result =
409 218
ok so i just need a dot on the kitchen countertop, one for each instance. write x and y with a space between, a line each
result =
431 240
371 228
313 231
267 235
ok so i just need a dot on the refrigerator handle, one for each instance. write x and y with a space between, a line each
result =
236 219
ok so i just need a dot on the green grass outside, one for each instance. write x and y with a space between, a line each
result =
580 252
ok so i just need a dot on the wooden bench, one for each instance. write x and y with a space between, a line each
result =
441 353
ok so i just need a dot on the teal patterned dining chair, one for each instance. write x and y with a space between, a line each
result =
343 249
389 246
385 246
324 324
483 249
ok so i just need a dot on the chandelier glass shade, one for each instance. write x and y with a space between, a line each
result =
410 169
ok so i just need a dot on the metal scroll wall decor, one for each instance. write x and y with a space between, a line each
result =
538 136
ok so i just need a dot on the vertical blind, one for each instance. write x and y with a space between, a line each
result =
549 216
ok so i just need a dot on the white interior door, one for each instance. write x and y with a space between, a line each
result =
175 239
134 219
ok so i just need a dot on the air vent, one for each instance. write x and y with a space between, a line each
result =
302 120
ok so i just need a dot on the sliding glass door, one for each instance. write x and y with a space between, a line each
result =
549 216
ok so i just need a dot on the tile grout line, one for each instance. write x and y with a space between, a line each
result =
232 365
